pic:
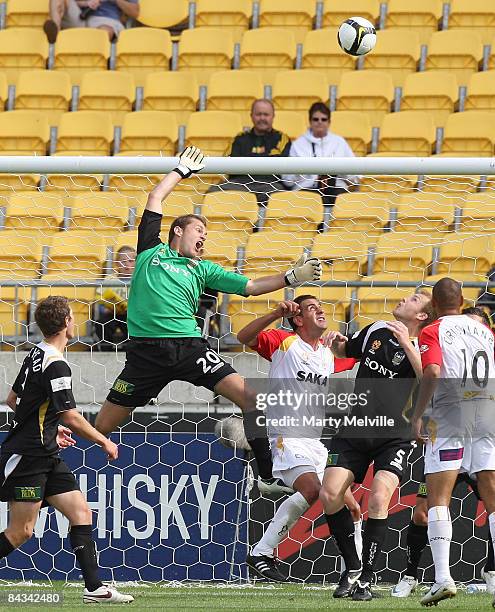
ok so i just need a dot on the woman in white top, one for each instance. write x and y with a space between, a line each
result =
318 141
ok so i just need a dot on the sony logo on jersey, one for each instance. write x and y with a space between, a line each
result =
377 367
311 377
169 267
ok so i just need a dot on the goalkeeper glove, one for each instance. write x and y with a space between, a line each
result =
304 270
190 161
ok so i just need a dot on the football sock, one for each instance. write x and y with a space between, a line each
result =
374 535
358 537
285 518
440 536
83 546
257 438
490 562
342 528
5 546
417 539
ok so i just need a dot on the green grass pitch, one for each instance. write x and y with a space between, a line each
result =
259 597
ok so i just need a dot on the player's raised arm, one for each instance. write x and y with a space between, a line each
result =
305 270
248 335
190 161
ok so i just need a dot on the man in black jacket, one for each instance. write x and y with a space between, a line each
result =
261 141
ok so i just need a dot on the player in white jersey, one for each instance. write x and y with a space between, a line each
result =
300 357
458 363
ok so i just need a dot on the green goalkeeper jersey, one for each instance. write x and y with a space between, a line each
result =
166 287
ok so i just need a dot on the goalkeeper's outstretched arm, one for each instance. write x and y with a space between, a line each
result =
190 161
306 269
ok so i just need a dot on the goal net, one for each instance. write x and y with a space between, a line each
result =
177 505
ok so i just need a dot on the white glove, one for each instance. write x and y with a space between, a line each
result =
190 161
305 270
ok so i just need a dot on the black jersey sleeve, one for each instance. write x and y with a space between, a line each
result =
21 377
149 230
57 379
355 345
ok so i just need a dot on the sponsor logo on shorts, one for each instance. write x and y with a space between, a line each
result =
451 454
332 458
122 386
422 489
27 493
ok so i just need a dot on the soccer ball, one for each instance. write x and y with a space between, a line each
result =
357 36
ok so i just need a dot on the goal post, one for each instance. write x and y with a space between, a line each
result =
177 505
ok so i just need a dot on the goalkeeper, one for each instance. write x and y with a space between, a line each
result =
165 341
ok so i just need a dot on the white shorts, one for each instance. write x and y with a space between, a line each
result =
295 456
469 455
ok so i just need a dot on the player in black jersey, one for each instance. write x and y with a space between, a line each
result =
386 352
32 474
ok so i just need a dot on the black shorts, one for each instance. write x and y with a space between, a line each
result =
462 477
33 479
356 455
152 364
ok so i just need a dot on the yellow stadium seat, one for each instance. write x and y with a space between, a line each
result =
471 134
205 51
3 91
44 90
234 90
476 15
108 91
27 13
101 212
141 51
354 127
455 186
231 14
294 15
410 132
81 50
433 91
478 212
343 254
149 133
421 16
269 252
294 211
242 311
373 96
171 91
157 14
424 212
334 13
481 91
463 254
22 49
23 132
298 89
321 51
39 212
292 123
212 131
222 248
359 213
177 204
268 50
459 52
378 303
407 254
395 54
230 211
387 185
77 255
125 239
85 133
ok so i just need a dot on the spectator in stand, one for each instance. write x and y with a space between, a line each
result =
261 141
318 141
102 14
111 310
